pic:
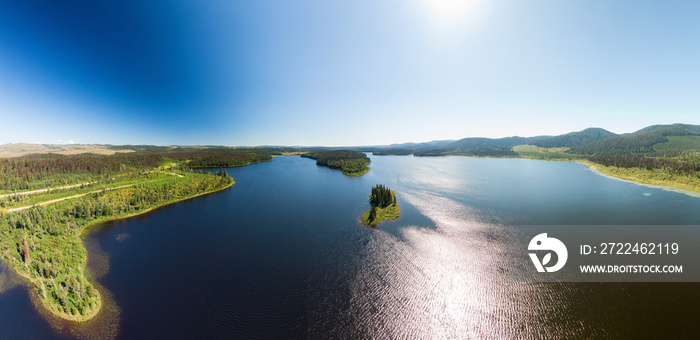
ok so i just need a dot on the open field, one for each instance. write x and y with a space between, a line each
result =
22 149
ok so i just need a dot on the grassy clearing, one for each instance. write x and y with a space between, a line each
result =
536 152
17 201
21 149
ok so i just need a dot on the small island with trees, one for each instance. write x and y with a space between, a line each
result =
384 206
351 163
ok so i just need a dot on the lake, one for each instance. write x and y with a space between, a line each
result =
282 254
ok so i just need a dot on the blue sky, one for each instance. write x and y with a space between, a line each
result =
345 72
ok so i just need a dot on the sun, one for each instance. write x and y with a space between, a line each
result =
450 10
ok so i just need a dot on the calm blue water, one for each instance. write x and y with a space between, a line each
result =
282 254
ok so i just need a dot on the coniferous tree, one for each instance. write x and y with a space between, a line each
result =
381 196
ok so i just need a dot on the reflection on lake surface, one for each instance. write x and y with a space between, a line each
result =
282 254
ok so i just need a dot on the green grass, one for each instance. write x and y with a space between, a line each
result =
58 180
31 199
536 152
658 177
390 212
355 173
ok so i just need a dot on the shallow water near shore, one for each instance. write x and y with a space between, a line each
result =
282 254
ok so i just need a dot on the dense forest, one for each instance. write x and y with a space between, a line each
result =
50 170
223 157
574 139
38 171
351 163
39 230
687 164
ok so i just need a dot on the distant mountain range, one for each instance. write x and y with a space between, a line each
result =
652 140
591 141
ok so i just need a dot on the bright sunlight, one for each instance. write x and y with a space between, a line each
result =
448 11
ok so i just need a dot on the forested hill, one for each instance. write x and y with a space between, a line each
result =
472 146
647 141
481 147
574 139
480 143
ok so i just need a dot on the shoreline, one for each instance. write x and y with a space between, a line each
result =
99 221
356 174
655 184
86 229
681 188
62 315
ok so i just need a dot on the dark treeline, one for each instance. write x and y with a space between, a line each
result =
391 152
223 157
381 197
431 153
27 172
351 163
477 152
487 153
686 166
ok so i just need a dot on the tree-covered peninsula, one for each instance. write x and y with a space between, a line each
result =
384 206
351 163
48 200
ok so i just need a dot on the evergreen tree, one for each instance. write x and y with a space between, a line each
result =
381 196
